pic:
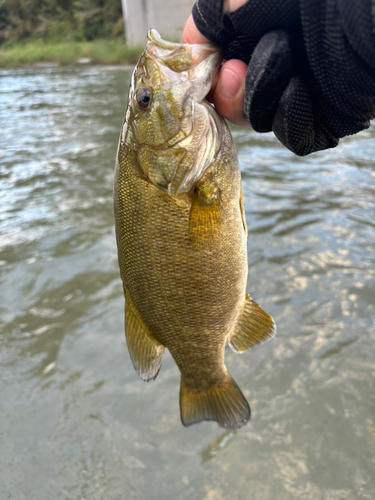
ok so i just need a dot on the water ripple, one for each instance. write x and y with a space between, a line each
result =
67 381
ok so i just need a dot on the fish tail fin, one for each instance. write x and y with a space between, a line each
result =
223 402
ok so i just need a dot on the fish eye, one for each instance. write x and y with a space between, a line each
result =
143 98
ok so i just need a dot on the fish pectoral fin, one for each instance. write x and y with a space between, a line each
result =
206 214
223 402
254 326
145 351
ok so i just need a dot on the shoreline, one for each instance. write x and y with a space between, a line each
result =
53 64
40 54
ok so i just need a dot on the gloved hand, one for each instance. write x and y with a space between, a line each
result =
311 65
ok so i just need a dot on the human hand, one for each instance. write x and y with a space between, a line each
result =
305 70
228 88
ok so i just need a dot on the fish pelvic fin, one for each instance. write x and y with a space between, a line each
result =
254 326
223 403
145 351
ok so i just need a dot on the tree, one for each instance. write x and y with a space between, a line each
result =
61 19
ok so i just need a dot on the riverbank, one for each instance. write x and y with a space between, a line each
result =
96 52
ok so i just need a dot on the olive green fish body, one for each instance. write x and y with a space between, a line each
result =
190 276
182 250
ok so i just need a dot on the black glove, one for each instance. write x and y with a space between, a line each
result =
311 65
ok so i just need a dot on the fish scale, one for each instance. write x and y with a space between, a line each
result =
182 255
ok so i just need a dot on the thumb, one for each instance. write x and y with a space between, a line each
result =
191 34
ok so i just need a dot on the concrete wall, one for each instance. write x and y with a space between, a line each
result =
166 16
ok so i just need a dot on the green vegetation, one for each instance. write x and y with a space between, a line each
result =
57 20
98 51
63 31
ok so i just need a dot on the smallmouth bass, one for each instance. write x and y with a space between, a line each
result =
181 232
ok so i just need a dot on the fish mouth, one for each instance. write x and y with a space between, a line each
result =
181 57
154 36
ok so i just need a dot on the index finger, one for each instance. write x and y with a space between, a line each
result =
191 34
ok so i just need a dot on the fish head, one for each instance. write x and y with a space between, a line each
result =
174 127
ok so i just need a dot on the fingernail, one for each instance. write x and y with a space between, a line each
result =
230 83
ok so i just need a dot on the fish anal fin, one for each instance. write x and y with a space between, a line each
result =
223 403
145 351
254 326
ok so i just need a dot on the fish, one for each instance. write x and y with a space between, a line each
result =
181 232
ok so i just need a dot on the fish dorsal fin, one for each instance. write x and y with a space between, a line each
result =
145 352
254 326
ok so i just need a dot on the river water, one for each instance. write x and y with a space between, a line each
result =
76 421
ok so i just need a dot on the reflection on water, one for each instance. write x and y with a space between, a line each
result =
217 444
76 420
